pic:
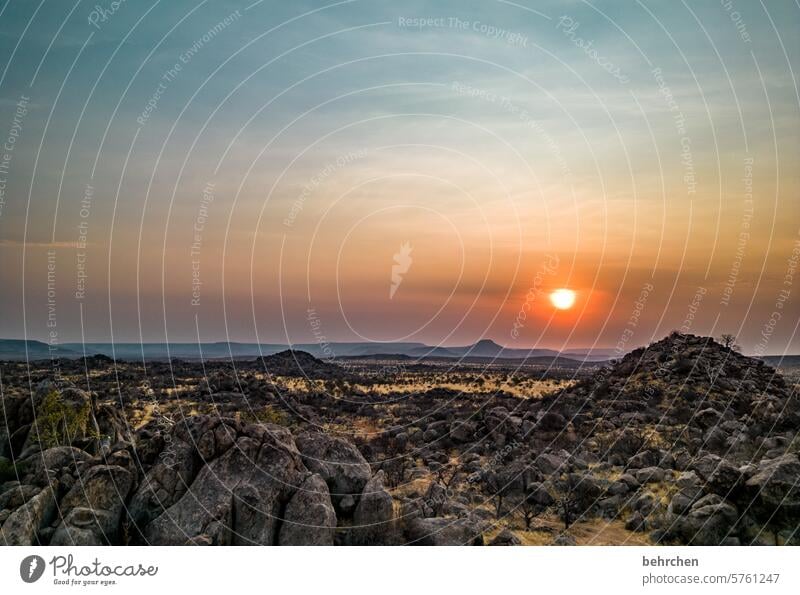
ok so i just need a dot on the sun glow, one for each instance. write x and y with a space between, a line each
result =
563 299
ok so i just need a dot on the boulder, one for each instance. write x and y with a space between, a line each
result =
644 459
238 497
549 463
372 519
774 489
564 539
309 518
339 463
82 526
650 475
462 431
551 421
16 494
720 476
679 504
165 483
443 531
636 522
103 490
50 463
707 418
539 496
587 490
710 522
23 525
506 537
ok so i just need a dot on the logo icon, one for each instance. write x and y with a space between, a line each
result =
31 568
402 262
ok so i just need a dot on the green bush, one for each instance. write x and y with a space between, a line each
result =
267 415
60 422
7 472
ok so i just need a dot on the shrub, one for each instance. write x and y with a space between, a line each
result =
267 415
60 422
7 471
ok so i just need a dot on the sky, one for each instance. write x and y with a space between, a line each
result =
418 171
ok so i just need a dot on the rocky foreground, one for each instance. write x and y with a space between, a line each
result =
684 442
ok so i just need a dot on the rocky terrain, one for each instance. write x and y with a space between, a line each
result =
683 442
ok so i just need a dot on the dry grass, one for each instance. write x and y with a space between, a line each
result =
586 532
525 389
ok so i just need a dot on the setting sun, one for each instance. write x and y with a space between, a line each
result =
563 299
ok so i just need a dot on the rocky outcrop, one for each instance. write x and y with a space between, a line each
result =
339 463
92 509
309 518
372 519
238 497
23 526
208 480
774 489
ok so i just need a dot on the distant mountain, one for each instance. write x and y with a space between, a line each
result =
15 349
300 364
486 349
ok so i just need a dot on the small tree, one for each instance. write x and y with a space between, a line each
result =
567 501
60 422
447 475
498 486
534 502
729 341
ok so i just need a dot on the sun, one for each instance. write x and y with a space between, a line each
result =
563 299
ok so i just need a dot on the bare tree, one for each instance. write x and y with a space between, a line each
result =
568 498
728 340
447 474
535 501
498 486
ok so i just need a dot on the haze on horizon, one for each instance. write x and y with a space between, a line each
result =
280 172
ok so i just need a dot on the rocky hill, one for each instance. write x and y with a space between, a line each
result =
301 364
